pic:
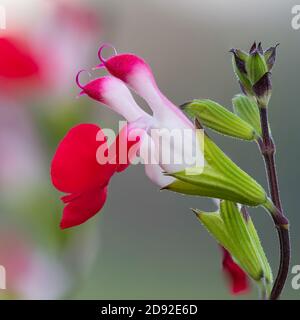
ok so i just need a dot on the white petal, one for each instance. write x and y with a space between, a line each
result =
119 98
155 174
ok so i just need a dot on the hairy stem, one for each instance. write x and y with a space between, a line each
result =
267 148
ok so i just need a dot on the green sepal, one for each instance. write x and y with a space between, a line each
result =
239 60
266 266
244 249
183 188
216 227
247 109
221 178
214 116
237 234
270 56
256 66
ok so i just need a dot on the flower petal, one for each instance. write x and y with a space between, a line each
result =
238 279
82 207
156 175
77 170
74 167
114 93
152 167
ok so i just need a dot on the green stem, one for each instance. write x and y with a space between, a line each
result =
267 148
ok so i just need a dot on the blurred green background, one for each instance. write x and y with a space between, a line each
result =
145 243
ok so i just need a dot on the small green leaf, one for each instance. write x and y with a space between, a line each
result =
218 118
247 109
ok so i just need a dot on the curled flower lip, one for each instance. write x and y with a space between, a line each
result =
100 56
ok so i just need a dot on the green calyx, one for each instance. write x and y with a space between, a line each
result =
235 231
247 109
253 72
221 178
214 116
256 66
239 60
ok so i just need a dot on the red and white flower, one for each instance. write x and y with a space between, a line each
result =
75 169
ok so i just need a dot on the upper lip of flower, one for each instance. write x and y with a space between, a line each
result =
137 74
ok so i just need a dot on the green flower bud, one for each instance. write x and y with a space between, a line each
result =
218 118
235 231
253 71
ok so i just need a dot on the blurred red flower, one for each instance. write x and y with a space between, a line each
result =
238 279
19 67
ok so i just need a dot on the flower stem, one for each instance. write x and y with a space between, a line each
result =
267 148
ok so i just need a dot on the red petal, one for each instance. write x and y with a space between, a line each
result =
16 60
122 65
82 207
238 279
74 168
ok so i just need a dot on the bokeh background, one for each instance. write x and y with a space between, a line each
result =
145 243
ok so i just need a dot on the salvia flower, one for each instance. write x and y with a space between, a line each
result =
204 169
